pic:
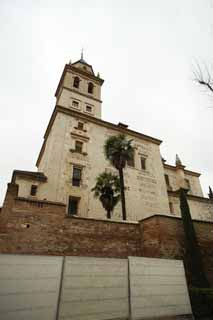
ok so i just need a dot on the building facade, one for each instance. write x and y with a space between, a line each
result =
72 156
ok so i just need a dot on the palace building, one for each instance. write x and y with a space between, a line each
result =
71 157
53 229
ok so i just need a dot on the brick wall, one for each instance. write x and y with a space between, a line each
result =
41 227
163 236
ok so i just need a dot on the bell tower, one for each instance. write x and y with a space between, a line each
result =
79 88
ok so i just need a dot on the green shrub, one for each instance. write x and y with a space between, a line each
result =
202 301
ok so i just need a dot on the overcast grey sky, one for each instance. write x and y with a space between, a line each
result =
145 51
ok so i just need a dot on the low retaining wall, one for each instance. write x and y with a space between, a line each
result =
43 228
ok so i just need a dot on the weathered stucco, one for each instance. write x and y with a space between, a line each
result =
201 209
195 186
146 187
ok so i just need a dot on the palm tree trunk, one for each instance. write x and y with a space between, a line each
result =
108 214
123 202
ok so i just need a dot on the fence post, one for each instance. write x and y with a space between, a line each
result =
129 289
60 288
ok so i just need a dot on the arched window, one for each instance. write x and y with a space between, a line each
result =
90 87
76 82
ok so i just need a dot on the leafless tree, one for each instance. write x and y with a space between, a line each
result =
203 77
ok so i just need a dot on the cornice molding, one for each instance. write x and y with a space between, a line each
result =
81 94
174 168
190 196
39 176
60 109
79 136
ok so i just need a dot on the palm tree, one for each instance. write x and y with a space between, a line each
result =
118 150
107 189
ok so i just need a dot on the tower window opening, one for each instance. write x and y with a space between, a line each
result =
75 104
76 176
171 207
88 109
143 163
80 126
73 206
90 87
167 179
33 190
78 146
131 162
76 82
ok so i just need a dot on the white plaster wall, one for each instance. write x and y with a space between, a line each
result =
146 192
94 289
157 288
200 210
172 178
144 189
193 180
29 287
66 97
195 185
25 188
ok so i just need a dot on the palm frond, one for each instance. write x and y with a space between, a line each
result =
118 150
107 189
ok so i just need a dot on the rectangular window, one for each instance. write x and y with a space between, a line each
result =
143 163
188 184
80 126
131 162
167 179
33 190
171 208
78 146
76 176
88 109
75 104
73 206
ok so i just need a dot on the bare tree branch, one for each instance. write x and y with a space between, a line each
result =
204 78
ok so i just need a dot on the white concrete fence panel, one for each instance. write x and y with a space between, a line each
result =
157 288
87 288
29 287
94 288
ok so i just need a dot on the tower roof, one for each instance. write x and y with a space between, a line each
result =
83 65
